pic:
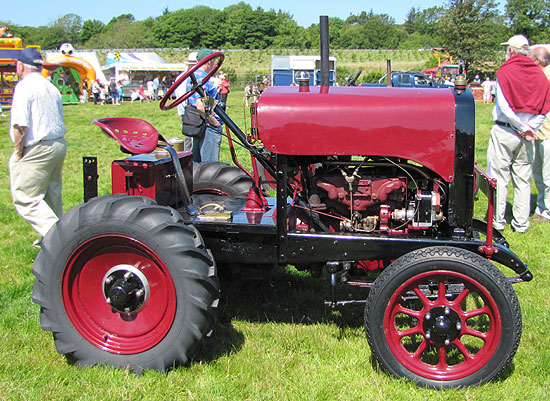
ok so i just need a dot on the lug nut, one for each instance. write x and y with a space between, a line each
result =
139 293
127 275
108 300
458 326
447 341
447 310
428 316
109 279
428 334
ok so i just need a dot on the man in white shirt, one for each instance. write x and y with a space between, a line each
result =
487 85
37 130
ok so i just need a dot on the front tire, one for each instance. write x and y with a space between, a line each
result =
124 282
443 317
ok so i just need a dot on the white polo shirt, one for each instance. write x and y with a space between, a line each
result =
37 105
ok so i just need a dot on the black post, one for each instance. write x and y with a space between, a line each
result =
325 73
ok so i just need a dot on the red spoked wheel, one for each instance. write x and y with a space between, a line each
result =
215 61
118 294
443 317
124 282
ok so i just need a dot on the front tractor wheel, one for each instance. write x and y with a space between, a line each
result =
122 281
443 317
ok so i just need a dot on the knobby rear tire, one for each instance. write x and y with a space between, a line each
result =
122 230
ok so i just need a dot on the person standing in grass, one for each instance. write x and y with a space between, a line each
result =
541 166
522 101
38 131
207 148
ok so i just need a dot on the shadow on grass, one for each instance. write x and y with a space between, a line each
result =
281 296
290 297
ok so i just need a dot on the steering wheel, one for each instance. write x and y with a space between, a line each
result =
196 84
352 81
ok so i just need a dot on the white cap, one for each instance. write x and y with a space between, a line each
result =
517 41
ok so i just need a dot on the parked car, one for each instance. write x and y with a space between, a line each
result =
408 79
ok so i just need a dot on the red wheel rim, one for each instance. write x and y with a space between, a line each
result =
93 317
471 340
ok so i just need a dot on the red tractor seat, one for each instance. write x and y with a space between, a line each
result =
135 135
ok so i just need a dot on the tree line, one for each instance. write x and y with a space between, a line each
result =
469 29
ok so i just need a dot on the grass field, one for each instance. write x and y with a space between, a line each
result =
273 340
248 65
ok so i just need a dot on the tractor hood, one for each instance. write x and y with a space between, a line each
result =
415 124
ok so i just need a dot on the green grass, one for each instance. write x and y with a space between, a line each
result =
273 341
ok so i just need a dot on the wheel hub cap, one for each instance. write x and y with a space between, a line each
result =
442 325
126 289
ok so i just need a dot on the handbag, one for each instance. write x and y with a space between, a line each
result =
193 124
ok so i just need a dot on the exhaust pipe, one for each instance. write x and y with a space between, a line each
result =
325 73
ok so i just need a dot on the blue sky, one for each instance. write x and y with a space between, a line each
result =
305 12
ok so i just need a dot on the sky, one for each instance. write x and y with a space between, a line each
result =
305 12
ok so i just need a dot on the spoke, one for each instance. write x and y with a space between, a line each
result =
441 297
422 297
462 348
407 311
413 330
442 352
421 348
481 311
458 300
471 332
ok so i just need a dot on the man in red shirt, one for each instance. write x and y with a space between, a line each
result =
522 101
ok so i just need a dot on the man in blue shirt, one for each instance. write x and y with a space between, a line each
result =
207 148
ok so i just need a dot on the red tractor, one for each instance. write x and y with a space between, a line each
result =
373 185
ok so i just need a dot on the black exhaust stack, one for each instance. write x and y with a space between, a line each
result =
325 74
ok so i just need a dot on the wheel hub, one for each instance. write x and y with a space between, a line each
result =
126 289
442 325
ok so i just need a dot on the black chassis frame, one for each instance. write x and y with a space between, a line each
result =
269 244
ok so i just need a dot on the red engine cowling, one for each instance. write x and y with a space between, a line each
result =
413 124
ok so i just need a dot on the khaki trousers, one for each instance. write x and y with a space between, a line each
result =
36 183
541 175
510 156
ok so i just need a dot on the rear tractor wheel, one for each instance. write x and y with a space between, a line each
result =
218 178
124 282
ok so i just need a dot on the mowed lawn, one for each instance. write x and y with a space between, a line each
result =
273 341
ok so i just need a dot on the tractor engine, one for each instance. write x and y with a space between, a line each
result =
382 160
370 199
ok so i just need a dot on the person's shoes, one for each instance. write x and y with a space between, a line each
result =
542 212
36 243
539 218
519 230
498 227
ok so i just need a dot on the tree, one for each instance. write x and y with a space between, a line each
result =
425 22
122 17
530 18
288 34
469 31
90 28
124 34
52 38
370 31
200 26
71 24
